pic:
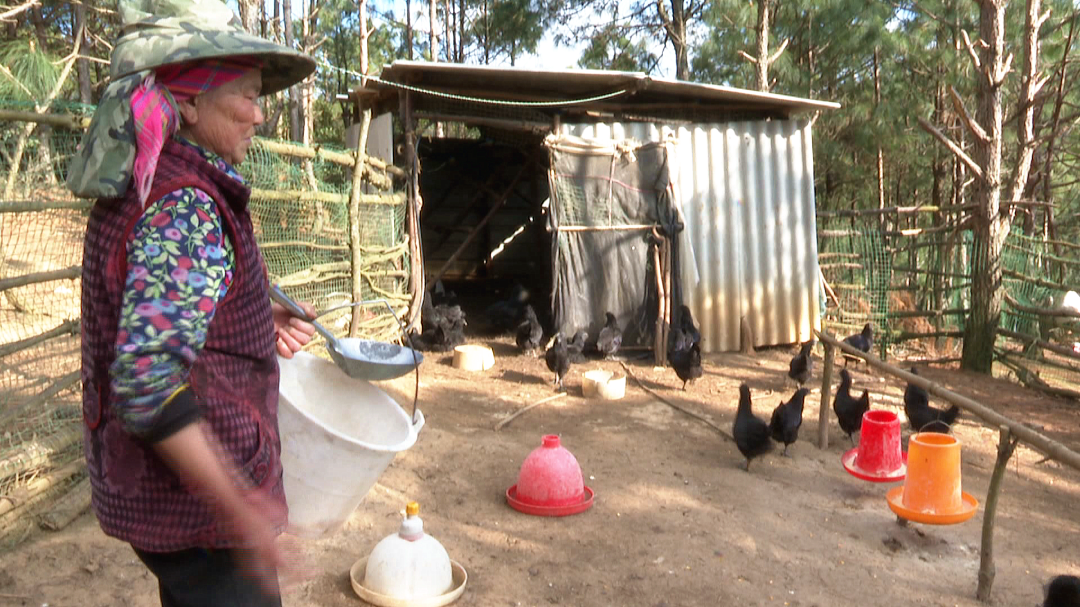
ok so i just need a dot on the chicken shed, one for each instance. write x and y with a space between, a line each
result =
608 191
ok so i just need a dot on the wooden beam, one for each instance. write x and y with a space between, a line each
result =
45 205
472 235
38 277
68 327
993 419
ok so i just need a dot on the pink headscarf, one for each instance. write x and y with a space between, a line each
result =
156 117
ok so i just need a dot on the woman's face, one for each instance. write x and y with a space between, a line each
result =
223 119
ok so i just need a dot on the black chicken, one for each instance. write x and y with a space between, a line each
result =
860 341
849 410
787 419
529 332
800 367
686 333
1063 591
610 339
558 360
750 432
505 315
444 328
921 416
576 347
687 363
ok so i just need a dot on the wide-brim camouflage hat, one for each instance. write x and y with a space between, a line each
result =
166 32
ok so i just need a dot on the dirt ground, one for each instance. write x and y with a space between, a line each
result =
675 522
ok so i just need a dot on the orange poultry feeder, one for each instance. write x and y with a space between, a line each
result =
931 493
878 458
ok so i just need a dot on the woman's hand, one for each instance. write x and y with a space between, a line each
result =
292 333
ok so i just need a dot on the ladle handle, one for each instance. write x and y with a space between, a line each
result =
279 296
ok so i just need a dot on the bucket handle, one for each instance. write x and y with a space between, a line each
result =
417 423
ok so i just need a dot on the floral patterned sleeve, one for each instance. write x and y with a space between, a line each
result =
179 265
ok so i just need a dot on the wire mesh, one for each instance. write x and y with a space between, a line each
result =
912 278
300 209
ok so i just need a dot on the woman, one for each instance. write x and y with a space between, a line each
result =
180 341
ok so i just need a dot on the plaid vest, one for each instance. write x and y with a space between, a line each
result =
136 497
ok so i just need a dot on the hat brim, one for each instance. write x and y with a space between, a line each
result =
148 49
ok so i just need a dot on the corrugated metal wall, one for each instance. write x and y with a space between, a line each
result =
746 191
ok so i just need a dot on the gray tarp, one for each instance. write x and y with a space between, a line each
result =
625 189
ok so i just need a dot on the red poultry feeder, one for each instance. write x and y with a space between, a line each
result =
878 457
550 483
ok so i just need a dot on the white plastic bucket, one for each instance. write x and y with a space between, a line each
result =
338 435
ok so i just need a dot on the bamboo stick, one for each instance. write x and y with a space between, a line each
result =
301 243
27 495
512 416
1058 312
901 210
1039 281
1047 445
66 121
39 277
68 327
987 570
667 402
928 313
910 335
826 394
24 206
1066 352
32 403
1017 359
625 228
67 508
39 452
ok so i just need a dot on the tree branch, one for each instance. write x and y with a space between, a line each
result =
972 126
971 50
749 57
955 149
18 9
776 55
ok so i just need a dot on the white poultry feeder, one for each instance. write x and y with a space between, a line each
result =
471 357
602 384
408 569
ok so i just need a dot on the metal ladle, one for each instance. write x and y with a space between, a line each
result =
358 358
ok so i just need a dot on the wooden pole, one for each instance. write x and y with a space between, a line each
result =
987 571
37 277
356 257
67 508
476 230
68 327
826 393
39 452
1046 445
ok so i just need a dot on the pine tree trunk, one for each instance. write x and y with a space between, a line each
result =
86 91
296 127
762 63
991 226
249 13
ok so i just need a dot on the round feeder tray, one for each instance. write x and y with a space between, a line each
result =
356 576
540 510
969 505
603 384
471 357
892 476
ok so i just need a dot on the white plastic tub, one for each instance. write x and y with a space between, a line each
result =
338 435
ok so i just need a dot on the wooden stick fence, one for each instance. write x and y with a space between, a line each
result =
1010 433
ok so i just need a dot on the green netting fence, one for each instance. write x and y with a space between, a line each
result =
908 271
300 206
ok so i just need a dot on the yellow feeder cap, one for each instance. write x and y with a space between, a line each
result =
412 509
